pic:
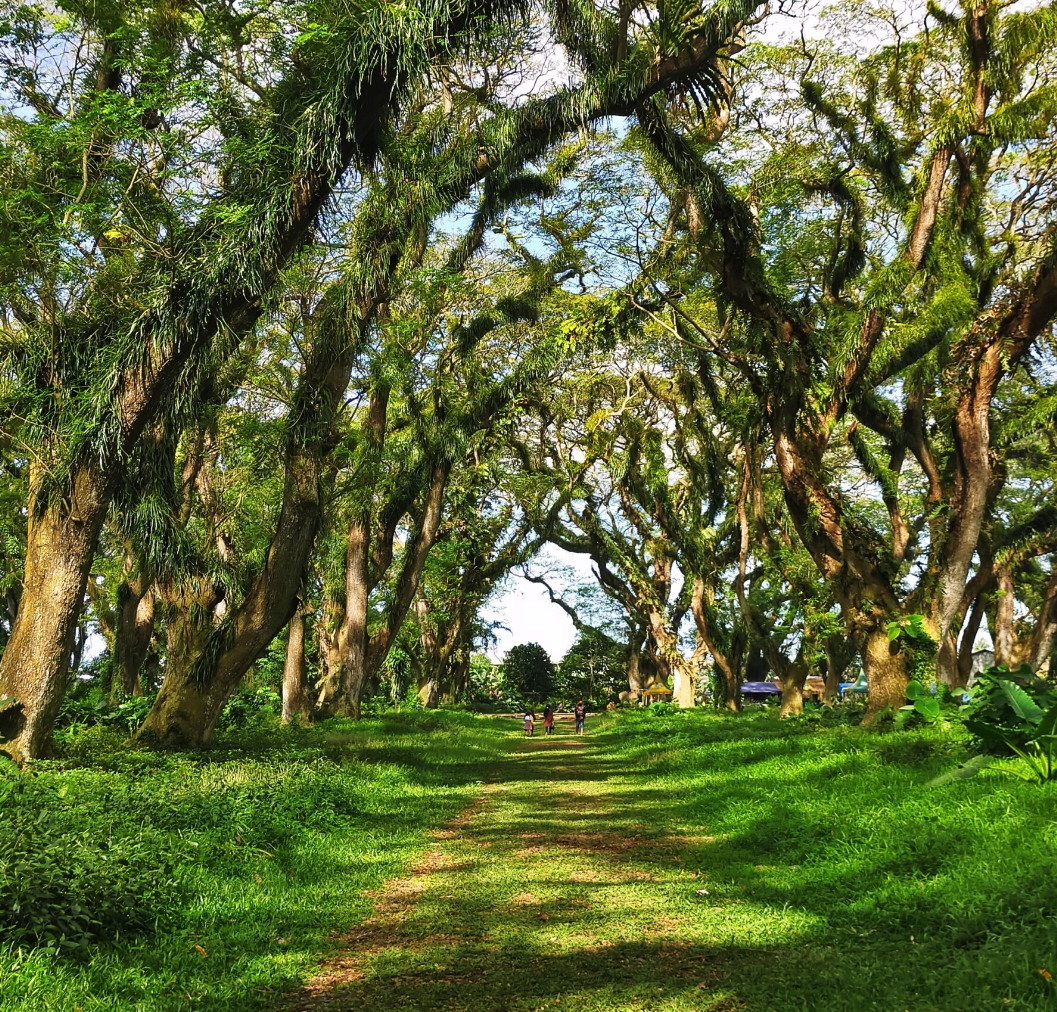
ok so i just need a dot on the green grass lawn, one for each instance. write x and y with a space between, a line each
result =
253 855
681 862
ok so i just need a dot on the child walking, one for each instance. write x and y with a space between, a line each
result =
548 720
529 718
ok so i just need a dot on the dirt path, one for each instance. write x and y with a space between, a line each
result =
550 892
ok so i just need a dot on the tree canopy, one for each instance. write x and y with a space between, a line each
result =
319 323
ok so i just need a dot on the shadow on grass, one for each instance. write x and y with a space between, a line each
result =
576 888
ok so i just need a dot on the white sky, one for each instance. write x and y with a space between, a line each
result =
527 615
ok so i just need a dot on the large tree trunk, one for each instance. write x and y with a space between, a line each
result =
683 683
133 631
1044 636
178 714
364 656
1014 644
34 669
731 680
186 710
331 654
886 675
429 691
429 672
296 702
840 650
354 628
1004 633
792 678
459 674
192 697
632 666
964 664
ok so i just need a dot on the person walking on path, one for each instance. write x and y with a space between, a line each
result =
580 713
548 720
529 718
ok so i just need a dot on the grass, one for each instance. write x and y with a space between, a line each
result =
681 862
256 853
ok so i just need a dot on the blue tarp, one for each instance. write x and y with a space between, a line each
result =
760 687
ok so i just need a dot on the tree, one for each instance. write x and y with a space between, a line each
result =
167 285
593 669
881 334
528 673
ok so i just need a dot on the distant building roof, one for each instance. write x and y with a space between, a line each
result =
768 688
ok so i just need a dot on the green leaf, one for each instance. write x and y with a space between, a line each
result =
1023 705
1048 724
964 772
915 690
928 707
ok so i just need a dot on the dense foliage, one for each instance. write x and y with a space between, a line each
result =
728 326
528 674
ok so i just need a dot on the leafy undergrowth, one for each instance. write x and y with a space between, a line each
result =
132 880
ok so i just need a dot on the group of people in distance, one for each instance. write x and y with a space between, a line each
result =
579 713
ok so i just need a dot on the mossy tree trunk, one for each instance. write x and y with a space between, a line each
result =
296 702
34 670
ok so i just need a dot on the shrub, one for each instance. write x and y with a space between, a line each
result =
92 708
63 889
993 714
662 709
250 707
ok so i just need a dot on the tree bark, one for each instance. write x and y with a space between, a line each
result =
1044 636
354 627
731 679
429 692
329 629
683 683
434 658
364 655
1004 634
964 664
792 678
34 670
1014 644
133 631
636 636
886 673
296 702
839 654
186 710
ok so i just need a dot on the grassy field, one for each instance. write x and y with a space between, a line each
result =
249 857
678 862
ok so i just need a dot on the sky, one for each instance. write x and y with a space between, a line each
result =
525 614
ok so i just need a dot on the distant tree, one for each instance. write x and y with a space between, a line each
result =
593 669
483 681
528 672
